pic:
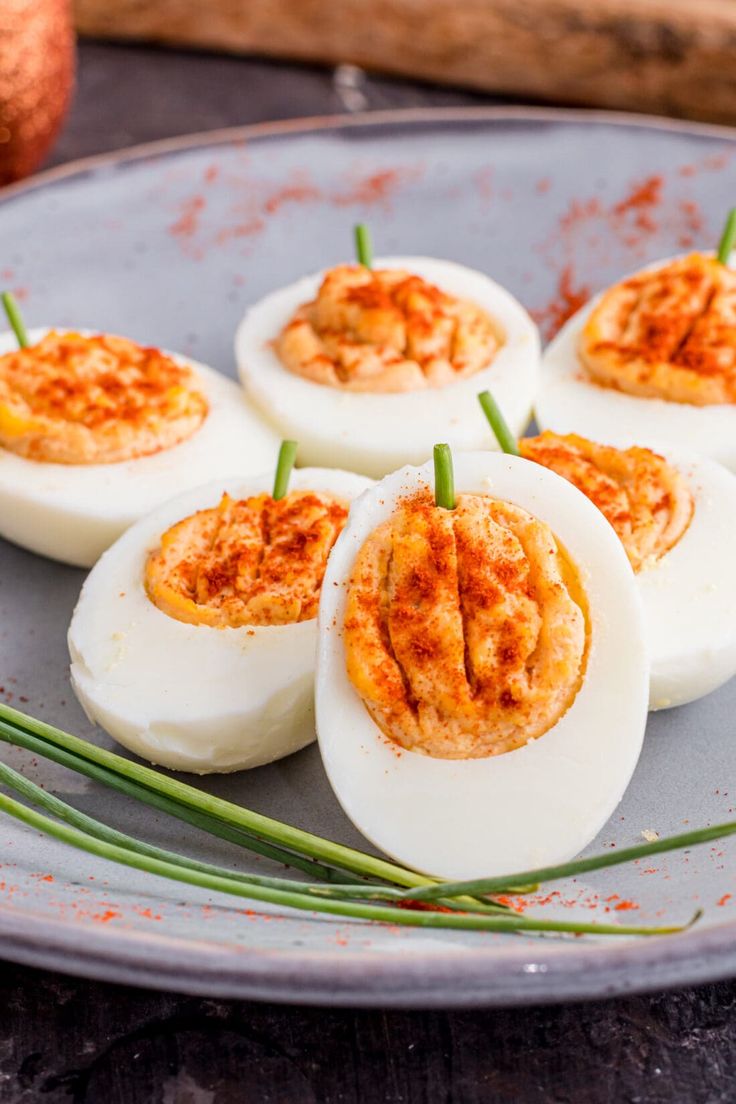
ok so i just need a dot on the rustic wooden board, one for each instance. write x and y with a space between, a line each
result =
64 1040
673 57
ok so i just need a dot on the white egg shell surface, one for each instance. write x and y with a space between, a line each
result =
193 697
538 804
570 402
375 433
689 595
73 512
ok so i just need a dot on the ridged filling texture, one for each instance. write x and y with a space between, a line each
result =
253 561
668 333
72 399
386 330
466 632
645 499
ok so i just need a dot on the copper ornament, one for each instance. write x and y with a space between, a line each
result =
36 80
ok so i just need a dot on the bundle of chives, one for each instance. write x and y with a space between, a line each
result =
339 892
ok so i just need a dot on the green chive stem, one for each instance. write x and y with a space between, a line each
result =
444 478
15 318
579 866
498 423
363 247
331 874
200 809
212 825
293 899
16 781
284 835
728 238
284 465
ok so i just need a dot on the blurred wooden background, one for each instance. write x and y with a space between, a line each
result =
674 57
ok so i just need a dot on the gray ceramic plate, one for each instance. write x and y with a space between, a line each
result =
169 244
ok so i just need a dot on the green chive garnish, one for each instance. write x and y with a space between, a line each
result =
121 783
350 890
373 895
14 318
682 842
113 770
728 238
193 874
444 478
498 423
363 247
284 464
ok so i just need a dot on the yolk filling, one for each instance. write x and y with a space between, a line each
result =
386 331
72 399
465 630
669 333
644 498
250 562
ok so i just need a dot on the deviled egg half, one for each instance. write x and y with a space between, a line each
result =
96 430
482 672
652 358
193 641
673 513
369 366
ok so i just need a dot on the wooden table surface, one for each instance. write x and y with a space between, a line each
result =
65 1040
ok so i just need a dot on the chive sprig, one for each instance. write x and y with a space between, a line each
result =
506 440
444 478
728 238
284 466
363 246
381 891
293 898
43 738
352 883
682 842
15 318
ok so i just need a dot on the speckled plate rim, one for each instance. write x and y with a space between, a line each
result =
398 117
539 971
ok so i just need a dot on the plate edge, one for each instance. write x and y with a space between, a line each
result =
314 123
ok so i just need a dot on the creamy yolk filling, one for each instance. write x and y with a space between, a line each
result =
465 630
645 499
386 331
669 333
250 562
72 399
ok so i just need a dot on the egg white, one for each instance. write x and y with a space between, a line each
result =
377 433
193 697
73 512
540 803
570 402
689 595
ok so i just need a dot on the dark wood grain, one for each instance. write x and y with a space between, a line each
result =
63 1040
668 56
